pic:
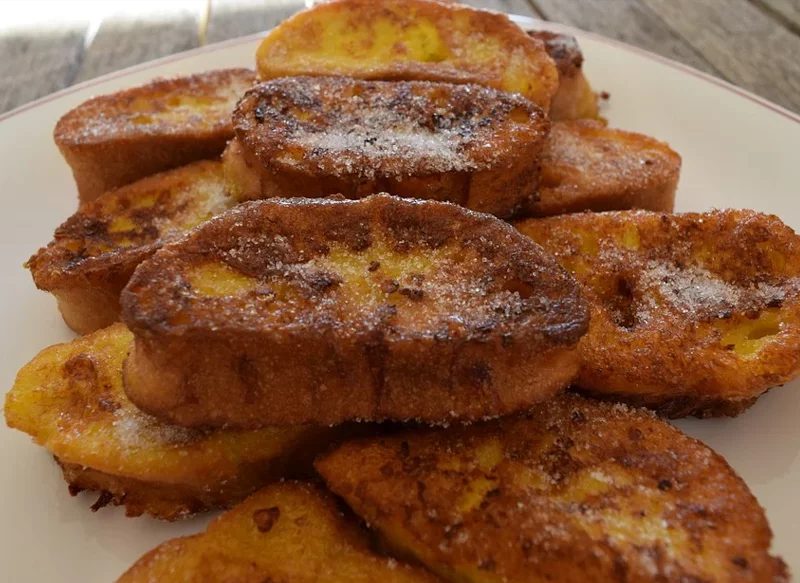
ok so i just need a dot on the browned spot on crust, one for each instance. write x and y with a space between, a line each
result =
265 518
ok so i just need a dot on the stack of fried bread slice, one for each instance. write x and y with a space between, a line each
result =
271 295
584 166
692 314
113 140
70 399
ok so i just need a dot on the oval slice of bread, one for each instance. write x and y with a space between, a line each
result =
289 532
575 491
692 314
588 166
96 250
69 398
411 40
115 139
320 311
316 136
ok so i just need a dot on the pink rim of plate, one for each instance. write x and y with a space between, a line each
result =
523 21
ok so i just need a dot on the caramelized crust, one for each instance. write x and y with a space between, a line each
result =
296 311
289 532
96 250
574 98
411 40
692 314
69 398
587 166
575 491
115 139
316 136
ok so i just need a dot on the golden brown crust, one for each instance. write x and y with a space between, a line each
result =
411 40
293 311
69 398
95 251
588 166
289 532
574 98
316 136
115 139
575 491
691 314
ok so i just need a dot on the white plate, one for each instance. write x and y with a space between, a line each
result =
738 151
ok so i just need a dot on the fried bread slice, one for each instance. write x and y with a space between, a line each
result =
115 139
419 40
692 314
69 398
575 491
292 532
588 166
316 136
574 98
301 310
94 253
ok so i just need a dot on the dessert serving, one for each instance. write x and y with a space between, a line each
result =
405 308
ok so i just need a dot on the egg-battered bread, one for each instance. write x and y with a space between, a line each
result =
588 166
115 139
316 136
692 314
299 310
94 253
574 98
575 491
411 40
69 398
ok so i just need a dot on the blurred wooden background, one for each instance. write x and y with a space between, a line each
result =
47 45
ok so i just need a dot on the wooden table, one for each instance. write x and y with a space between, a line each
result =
752 43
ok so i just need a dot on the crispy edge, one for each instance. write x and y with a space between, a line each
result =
542 82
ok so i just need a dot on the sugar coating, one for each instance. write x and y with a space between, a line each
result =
700 294
344 127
